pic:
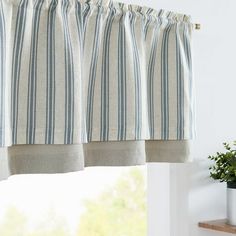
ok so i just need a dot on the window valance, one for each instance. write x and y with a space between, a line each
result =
81 71
99 82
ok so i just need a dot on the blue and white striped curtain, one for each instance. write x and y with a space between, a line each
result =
74 72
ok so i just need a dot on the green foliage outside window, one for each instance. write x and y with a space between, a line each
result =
118 211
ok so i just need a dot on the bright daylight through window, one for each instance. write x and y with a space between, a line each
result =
86 203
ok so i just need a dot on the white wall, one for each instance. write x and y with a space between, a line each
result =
215 74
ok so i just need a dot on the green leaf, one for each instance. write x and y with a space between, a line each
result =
224 167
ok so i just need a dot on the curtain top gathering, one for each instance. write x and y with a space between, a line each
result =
81 71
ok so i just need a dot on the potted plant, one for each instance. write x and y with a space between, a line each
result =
224 170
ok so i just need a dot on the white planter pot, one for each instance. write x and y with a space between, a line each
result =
231 203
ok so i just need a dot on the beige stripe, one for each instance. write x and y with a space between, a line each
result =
88 42
113 81
60 80
41 79
77 74
130 81
24 76
172 84
186 76
139 35
157 90
97 86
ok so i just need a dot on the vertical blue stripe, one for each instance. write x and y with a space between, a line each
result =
16 64
150 80
104 130
32 78
69 77
165 83
92 75
2 75
51 90
122 106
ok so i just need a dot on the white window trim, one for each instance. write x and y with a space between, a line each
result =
167 199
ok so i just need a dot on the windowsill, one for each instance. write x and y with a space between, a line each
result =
218 225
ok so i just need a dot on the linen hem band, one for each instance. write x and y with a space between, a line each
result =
28 159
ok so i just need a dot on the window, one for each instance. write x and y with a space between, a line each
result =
98 201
